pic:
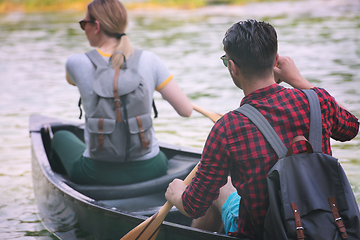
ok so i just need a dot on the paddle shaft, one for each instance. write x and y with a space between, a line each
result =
149 229
213 116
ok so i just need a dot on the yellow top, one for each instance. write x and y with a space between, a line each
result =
103 54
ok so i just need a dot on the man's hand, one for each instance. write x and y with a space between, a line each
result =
286 71
173 194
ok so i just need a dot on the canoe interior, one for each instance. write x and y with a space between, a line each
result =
144 198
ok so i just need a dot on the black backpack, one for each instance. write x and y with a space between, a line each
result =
309 194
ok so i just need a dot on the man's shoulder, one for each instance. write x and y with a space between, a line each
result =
321 91
230 119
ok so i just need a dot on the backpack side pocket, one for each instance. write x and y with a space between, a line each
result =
140 135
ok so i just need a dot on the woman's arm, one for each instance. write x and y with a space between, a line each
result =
172 93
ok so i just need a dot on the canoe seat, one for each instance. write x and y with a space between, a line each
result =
179 167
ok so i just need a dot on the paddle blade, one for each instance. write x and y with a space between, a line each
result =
149 229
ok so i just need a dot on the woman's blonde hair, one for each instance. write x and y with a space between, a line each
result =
113 19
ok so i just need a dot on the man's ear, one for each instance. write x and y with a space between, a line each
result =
276 59
233 68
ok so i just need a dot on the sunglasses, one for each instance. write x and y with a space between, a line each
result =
226 60
83 24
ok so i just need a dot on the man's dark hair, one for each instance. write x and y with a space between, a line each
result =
253 46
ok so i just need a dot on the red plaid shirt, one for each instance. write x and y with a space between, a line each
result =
235 146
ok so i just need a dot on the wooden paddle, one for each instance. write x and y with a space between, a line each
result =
213 116
149 229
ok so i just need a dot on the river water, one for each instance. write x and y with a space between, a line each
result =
322 36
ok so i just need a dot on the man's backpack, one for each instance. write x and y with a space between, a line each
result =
120 124
309 194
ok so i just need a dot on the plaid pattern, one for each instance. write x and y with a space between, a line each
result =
236 147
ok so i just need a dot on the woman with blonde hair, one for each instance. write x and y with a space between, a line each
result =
105 24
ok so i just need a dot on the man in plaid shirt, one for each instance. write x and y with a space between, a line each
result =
236 148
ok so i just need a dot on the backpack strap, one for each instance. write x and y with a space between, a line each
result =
338 220
315 134
155 109
79 105
116 96
96 58
265 128
270 135
136 57
299 228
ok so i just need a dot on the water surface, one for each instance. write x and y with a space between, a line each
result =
323 38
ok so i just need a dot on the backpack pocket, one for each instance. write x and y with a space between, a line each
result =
140 135
311 180
317 223
102 138
109 143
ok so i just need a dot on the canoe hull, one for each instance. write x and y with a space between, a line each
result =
69 214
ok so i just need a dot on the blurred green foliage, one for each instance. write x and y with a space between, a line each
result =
56 5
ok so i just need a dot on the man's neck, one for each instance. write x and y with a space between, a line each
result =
253 85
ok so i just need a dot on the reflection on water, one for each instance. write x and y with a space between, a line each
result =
323 37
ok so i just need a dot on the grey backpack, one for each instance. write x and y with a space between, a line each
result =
120 124
309 194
